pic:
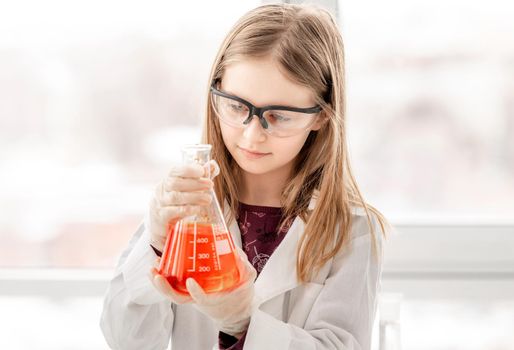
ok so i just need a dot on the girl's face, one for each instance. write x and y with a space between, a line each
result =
260 82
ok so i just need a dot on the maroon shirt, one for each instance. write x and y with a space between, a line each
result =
259 238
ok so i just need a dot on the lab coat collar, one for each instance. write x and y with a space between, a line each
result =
279 274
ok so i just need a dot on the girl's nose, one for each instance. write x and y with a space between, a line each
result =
254 131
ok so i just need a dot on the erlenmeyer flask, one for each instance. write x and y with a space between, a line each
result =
200 246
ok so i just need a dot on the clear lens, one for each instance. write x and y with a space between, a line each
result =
280 123
285 123
230 111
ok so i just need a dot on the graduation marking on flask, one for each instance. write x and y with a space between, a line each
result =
194 250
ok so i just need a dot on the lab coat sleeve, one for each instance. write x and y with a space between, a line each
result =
135 315
342 314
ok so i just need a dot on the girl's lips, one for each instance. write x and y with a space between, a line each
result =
252 155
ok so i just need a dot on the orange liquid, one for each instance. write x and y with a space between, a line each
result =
214 269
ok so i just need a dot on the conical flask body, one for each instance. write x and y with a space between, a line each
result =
200 246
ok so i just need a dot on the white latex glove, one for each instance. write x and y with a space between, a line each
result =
161 284
178 195
230 310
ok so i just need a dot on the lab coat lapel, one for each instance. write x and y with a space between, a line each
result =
279 274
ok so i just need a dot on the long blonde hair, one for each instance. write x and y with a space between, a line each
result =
306 43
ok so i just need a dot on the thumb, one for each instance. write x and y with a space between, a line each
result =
195 290
212 168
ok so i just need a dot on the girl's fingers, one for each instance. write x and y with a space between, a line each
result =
180 184
191 170
171 213
195 290
184 198
162 285
212 169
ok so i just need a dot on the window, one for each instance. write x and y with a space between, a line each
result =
96 99
431 107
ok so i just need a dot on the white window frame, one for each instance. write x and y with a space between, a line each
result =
421 261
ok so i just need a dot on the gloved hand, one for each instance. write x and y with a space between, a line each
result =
161 284
231 310
180 194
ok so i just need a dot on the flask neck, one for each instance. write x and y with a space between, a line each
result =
199 154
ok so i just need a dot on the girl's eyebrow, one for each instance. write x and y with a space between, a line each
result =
235 95
261 105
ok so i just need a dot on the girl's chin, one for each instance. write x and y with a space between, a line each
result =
255 169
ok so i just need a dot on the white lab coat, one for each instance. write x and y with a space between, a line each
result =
334 311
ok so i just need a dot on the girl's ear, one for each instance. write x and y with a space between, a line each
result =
320 121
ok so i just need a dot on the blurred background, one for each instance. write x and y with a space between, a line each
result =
96 97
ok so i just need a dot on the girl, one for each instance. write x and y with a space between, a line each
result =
275 118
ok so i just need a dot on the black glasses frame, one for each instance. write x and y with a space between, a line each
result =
259 111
